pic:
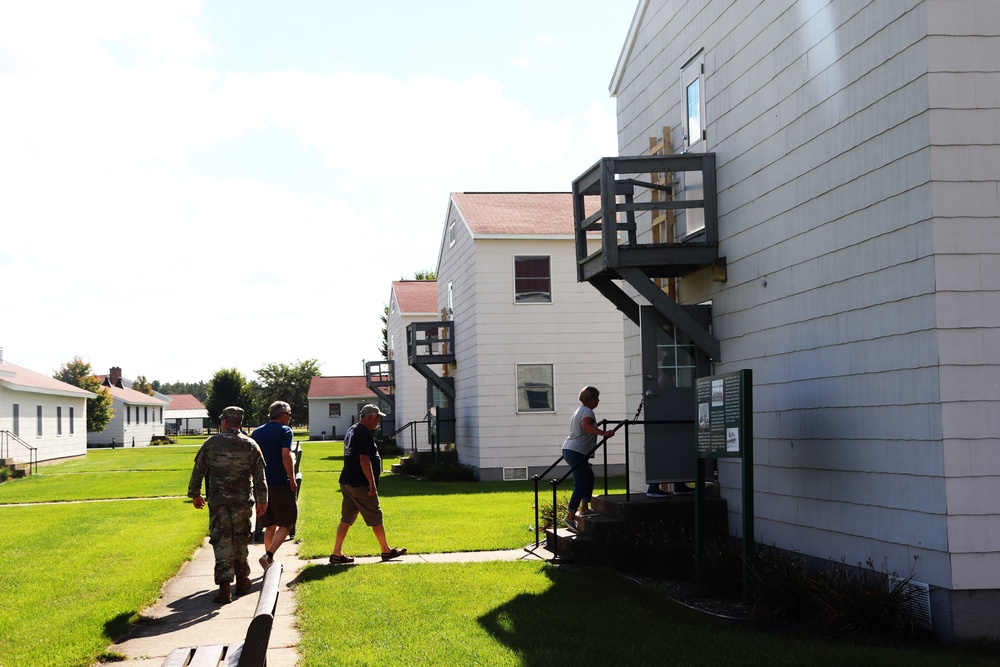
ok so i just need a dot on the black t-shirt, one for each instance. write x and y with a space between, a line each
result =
358 442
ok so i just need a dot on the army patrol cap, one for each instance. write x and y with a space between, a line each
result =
232 412
371 410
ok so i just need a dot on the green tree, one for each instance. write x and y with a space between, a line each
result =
289 383
197 389
100 410
229 387
140 384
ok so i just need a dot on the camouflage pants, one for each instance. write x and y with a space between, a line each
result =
229 533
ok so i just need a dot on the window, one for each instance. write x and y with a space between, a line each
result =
694 111
16 426
58 420
676 358
452 235
335 410
690 183
38 420
145 415
532 279
137 415
72 428
128 415
534 388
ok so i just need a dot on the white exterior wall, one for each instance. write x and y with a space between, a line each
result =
410 386
130 433
320 419
857 145
50 445
579 333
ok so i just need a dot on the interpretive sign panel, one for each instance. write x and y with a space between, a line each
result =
725 409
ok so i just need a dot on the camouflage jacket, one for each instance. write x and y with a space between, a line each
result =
233 469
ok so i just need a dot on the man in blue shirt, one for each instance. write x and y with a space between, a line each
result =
275 441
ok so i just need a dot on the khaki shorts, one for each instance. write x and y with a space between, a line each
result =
357 501
281 509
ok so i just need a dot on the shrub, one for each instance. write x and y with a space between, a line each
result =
719 571
857 601
5 473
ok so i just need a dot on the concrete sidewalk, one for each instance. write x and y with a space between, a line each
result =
186 616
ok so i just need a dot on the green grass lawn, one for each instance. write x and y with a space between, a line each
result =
94 566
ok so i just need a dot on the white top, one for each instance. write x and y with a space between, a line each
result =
579 440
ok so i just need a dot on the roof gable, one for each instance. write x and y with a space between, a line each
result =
339 386
184 402
415 296
516 213
22 379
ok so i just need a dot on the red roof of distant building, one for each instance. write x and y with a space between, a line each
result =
339 385
519 213
415 296
184 402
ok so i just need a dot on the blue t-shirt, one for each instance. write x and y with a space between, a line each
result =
272 438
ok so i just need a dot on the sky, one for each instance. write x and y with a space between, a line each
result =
193 186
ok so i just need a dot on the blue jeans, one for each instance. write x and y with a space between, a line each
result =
583 478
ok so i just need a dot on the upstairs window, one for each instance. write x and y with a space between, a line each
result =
532 279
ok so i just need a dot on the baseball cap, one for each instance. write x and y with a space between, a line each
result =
232 412
371 410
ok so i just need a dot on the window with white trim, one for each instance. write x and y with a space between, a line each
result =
532 279
535 390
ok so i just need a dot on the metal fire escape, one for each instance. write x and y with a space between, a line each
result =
428 344
380 378
630 185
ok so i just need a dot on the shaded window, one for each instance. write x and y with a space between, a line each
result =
532 279
128 415
335 410
17 420
72 428
535 392
145 415
58 420
38 420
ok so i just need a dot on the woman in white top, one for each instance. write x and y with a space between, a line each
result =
583 434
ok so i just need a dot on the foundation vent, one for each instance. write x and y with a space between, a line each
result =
515 474
920 599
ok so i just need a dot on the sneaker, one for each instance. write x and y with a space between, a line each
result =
590 511
571 524
265 562
334 558
393 553
657 493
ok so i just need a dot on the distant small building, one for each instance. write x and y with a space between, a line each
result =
334 404
185 415
138 416
41 412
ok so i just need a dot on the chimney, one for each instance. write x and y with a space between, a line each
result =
115 376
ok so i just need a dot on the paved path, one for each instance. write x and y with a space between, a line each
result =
186 616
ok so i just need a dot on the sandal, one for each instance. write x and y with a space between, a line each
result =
334 558
392 553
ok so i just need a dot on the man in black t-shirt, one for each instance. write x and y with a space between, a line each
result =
359 484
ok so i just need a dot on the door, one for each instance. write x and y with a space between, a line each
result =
670 365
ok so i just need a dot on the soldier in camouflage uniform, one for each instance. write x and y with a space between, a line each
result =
233 468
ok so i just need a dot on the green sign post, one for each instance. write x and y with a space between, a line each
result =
725 430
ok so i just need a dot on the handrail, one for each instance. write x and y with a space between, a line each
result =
6 437
410 425
555 483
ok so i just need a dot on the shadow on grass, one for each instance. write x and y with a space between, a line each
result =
319 572
576 618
